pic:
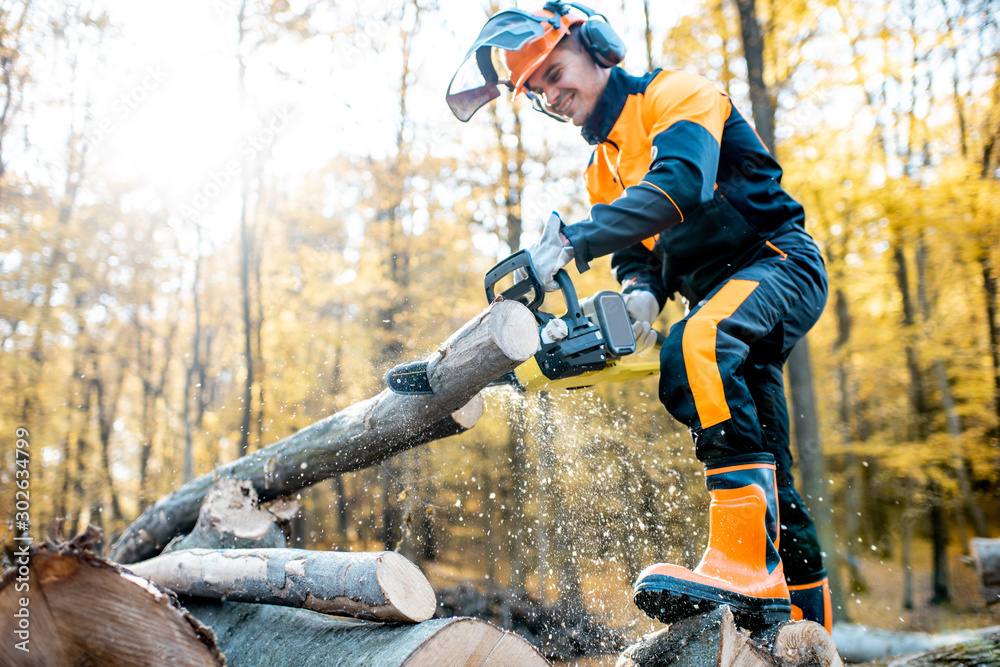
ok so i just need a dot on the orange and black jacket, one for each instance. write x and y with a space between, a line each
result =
682 189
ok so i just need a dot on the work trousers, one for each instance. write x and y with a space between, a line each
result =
721 373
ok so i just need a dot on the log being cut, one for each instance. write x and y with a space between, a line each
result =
493 343
378 586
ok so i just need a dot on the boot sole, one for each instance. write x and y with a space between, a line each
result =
669 600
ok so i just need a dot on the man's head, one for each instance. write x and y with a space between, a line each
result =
553 53
568 80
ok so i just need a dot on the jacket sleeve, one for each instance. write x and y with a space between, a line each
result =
686 113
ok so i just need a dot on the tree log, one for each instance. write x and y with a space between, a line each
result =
981 651
84 610
713 640
253 635
862 644
493 343
381 586
987 555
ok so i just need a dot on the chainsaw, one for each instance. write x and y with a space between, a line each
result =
575 352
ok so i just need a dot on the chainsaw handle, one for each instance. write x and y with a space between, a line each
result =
519 260
519 291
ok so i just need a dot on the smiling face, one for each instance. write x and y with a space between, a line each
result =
569 81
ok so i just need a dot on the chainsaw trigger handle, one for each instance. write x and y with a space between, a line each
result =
519 292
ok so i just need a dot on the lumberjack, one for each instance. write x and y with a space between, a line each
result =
687 201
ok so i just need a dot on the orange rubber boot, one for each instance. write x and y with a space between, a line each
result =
741 567
811 602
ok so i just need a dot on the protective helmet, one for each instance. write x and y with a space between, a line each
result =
522 63
525 39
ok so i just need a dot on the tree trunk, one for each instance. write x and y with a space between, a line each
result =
966 505
255 634
990 294
647 33
753 51
195 368
939 537
244 257
806 420
84 610
811 468
491 344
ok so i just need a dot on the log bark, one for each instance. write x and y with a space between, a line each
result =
981 650
860 644
253 635
987 555
84 610
379 586
493 343
713 640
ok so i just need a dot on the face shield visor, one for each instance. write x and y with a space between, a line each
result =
484 68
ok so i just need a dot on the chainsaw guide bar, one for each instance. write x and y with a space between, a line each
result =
409 378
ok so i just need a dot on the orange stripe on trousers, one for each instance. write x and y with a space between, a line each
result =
699 351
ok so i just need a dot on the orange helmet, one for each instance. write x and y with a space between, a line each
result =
513 44
523 62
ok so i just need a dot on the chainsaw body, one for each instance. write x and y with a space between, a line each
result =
574 351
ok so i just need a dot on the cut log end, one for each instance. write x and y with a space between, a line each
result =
514 330
83 609
805 643
406 588
469 414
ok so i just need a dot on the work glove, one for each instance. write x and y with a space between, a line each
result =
550 254
643 308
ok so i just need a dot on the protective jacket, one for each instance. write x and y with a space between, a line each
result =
683 192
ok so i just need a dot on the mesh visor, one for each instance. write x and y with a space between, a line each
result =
477 80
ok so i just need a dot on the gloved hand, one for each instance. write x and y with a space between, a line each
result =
643 308
549 254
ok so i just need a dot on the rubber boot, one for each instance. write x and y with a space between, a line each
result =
811 602
741 567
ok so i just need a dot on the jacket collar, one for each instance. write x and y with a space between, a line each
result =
609 107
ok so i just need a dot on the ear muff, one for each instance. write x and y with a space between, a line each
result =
596 34
602 42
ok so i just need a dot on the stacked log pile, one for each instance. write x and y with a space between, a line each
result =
269 605
220 544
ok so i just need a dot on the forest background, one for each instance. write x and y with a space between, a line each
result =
221 221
